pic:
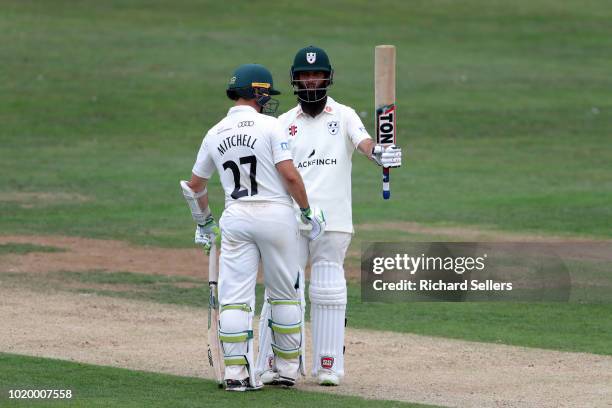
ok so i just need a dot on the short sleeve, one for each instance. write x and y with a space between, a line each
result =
280 145
204 166
356 130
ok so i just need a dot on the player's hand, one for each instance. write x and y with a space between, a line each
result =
315 219
390 156
206 234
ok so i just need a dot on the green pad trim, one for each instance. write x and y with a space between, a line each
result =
286 354
235 360
240 306
239 337
284 302
285 329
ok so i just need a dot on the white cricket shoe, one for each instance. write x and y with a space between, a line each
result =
327 378
269 377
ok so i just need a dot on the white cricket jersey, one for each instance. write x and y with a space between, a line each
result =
244 148
322 149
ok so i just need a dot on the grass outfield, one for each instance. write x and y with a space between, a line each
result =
558 326
21 249
504 108
96 386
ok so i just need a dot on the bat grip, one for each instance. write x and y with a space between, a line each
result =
386 186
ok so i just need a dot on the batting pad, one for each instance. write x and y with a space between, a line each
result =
286 325
236 335
327 294
265 357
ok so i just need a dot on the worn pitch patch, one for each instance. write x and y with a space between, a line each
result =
384 365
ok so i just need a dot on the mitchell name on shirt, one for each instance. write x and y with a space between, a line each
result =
236 140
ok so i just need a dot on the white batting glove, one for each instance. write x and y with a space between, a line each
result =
315 219
390 156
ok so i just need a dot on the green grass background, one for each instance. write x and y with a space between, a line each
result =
504 107
22 249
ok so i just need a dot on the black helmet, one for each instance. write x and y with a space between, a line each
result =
253 81
313 59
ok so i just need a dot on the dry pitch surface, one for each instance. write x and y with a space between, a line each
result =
171 339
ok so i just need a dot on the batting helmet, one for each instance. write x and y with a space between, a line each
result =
253 81
311 59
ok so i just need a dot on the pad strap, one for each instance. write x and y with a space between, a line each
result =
284 328
236 306
235 337
284 302
286 353
236 360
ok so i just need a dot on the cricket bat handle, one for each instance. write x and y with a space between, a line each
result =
386 185
213 269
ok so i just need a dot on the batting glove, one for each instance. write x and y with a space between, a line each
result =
207 234
315 219
390 156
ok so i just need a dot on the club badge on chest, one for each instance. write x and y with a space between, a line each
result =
333 127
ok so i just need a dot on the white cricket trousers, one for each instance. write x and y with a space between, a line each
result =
331 247
254 231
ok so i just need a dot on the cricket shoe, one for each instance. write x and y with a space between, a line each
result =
239 385
269 377
327 378
285 381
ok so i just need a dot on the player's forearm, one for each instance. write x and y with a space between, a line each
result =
298 192
365 147
293 182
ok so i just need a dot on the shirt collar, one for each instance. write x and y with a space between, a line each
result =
329 107
241 108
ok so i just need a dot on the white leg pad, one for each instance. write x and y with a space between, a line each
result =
327 294
236 335
265 357
286 324
302 283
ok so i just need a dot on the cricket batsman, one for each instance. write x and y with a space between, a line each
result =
322 135
251 153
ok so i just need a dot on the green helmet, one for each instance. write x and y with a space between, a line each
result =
253 81
311 59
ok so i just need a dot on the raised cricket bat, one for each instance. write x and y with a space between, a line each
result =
384 102
215 352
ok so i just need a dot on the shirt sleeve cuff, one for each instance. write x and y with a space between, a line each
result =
285 155
201 174
360 138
